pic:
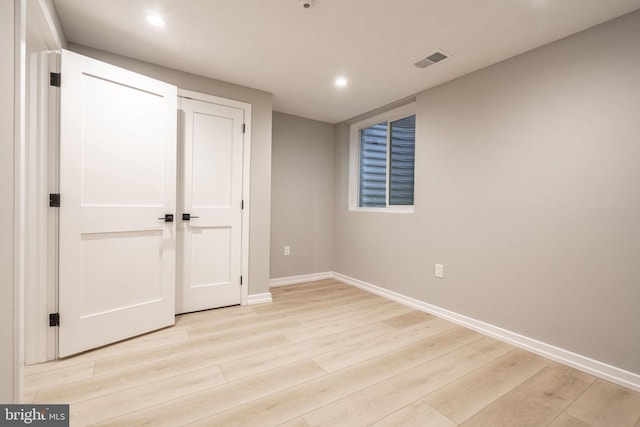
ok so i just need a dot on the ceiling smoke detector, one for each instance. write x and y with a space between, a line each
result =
307 4
430 60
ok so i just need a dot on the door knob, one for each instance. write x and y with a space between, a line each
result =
167 218
187 216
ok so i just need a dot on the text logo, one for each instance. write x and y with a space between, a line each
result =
34 415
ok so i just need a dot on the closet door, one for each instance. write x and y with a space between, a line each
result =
118 133
210 227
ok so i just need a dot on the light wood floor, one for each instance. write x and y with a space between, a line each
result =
324 354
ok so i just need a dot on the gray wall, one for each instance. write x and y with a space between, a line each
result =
302 195
528 191
261 111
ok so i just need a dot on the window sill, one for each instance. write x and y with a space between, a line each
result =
389 210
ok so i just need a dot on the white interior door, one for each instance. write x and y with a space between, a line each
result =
118 144
210 221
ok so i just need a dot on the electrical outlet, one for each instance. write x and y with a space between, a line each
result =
439 271
287 250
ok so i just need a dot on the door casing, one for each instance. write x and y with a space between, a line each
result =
39 179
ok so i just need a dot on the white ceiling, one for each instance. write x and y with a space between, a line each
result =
296 53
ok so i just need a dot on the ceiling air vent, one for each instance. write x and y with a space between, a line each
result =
430 60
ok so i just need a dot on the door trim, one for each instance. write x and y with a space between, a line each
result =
44 41
246 177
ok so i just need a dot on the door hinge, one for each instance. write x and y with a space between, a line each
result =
244 128
54 319
55 79
242 205
54 200
240 280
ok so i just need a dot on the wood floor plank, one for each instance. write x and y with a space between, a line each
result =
139 374
299 287
560 368
489 345
302 288
308 397
262 361
360 351
243 338
435 367
150 340
248 327
607 404
198 406
28 398
297 422
537 401
316 293
219 354
373 403
280 407
410 319
416 414
122 402
312 294
354 307
211 324
215 315
353 299
333 326
565 420
313 297
308 315
417 351
66 374
461 399
378 363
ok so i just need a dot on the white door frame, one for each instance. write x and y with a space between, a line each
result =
41 220
40 179
246 175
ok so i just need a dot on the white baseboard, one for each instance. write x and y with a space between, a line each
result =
282 281
577 361
259 298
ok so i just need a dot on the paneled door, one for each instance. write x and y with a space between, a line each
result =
118 145
210 220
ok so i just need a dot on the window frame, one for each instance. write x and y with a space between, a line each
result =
354 159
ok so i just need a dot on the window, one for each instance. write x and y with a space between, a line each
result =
383 162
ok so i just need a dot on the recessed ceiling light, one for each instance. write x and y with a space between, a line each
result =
155 20
341 82
307 4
